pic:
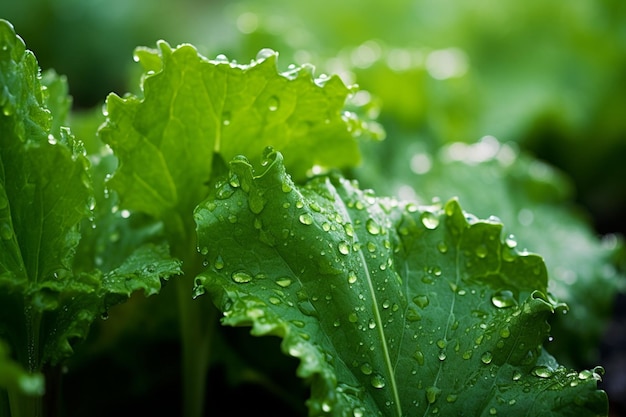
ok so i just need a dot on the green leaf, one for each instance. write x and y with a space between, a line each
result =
535 202
393 309
45 194
193 108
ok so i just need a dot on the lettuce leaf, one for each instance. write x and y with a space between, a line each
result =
192 108
45 194
392 308
192 115
536 203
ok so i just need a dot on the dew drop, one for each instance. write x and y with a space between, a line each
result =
510 241
432 393
481 251
274 300
265 53
377 381
272 103
344 248
542 372
283 282
517 375
226 115
503 299
352 277
429 220
286 187
352 317
442 247
505 333
366 369
241 277
413 315
419 356
372 227
221 58
486 358
306 219
219 262
451 398
421 300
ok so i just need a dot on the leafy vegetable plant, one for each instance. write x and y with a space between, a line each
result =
391 308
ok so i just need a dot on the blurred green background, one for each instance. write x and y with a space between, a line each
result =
548 75
517 108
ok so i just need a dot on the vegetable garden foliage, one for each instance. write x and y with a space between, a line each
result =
392 308
46 304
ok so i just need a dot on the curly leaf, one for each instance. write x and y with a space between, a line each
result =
193 107
392 309
45 194
535 202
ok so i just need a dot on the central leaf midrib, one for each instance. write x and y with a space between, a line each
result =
377 315
457 279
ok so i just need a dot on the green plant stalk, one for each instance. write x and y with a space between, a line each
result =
25 405
197 318
197 322
21 405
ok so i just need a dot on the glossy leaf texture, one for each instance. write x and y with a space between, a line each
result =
193 107
45 193
535 202
393 309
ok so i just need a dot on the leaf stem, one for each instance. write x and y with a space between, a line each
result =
197 320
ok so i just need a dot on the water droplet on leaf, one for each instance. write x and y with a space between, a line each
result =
306 219
442 247
421 300
372 227
344 248
503 299
265 53
241 277
542 372
366 369
481 251
432 393
284 282
377 381
510 241
272 103
429 220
